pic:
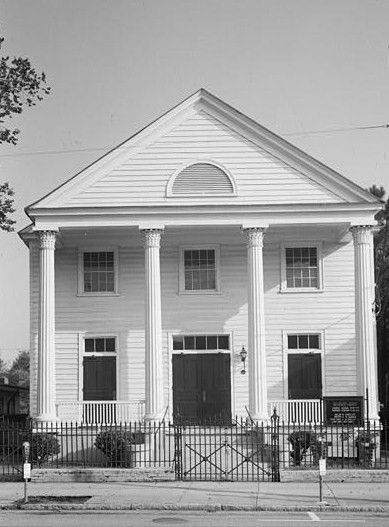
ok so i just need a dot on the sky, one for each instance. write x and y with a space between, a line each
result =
295 66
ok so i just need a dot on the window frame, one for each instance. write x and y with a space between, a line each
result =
181 273
80 281
301 244
173 177
308 351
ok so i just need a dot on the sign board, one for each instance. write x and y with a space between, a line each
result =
322 467
26 470
343 410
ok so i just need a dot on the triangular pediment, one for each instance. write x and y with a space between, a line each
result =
204 132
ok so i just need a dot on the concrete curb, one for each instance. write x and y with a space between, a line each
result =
193 507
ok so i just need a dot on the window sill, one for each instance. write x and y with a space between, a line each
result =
194 293
301 290
97 294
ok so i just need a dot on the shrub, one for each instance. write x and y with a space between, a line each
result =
116 445
366 445
301 441
42 446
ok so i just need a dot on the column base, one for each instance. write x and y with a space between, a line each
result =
46 418
154 418
258 419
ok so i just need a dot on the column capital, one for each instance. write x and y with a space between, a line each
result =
254 236
362 233
47 239
152 237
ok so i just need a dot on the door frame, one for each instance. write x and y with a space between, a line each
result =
286 352
82 354
172 352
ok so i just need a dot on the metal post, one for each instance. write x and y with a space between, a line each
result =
26 468
320 489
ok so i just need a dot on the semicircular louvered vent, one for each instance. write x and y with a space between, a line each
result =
202 179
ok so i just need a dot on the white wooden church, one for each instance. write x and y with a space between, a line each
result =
204 268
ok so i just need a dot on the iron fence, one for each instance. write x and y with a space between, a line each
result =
237 450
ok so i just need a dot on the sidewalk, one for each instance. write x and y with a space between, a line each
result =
201 495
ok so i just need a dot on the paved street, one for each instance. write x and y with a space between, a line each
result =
203 519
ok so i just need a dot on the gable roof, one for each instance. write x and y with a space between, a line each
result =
203 101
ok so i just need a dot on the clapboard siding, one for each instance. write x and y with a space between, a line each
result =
260 177
331 312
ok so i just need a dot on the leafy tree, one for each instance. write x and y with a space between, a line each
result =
19 372
6 207
3 368
381 250
20 86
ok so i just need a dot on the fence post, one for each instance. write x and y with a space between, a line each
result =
275 446
178 452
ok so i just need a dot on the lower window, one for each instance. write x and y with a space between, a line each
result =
304 376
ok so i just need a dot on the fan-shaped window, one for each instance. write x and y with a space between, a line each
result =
201 179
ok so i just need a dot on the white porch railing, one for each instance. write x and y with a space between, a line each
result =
101 412
304 411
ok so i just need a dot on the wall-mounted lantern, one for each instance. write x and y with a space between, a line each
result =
243 357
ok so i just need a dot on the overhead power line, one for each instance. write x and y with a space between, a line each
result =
106 148
331 130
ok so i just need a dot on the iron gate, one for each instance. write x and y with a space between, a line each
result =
239 452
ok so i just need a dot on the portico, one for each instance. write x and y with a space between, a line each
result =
155 405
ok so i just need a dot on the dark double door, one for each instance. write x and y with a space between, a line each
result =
201 388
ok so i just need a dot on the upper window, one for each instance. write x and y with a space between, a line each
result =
304 341
98 272
300 268
199 269
100 345
201 179
201 342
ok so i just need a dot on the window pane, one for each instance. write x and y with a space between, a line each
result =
188 281
178 342
201 343
94 281
303 341
89 345
196 280
314 341
292 342
87 282
212 342
100 344
110 344
204 281
224 342
189 343
102 282
110 282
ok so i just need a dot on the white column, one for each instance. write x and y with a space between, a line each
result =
256 325
365 315
46 329
153 329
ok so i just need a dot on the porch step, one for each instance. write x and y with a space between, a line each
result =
101 475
